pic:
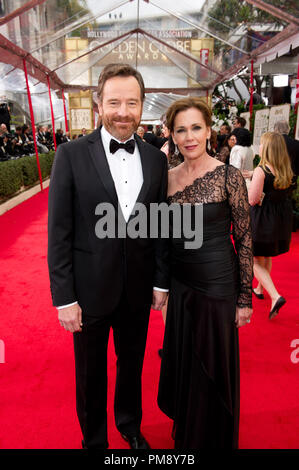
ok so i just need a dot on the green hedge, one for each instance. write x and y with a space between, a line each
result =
14 174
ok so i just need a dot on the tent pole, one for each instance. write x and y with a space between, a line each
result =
297 90
251 90
64 108
32 124
52 113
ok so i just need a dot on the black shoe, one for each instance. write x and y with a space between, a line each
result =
136 442
278 304
98 447
259 296
160 352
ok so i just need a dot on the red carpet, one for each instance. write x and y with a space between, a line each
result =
37 392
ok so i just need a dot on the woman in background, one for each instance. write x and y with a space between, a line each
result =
271 213
174 158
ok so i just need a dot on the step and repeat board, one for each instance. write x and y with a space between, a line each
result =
265 120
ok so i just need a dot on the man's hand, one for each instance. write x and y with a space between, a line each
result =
159 299
71 318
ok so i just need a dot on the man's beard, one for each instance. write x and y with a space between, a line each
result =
115 131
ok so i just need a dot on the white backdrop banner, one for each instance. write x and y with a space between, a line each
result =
278 113
260 127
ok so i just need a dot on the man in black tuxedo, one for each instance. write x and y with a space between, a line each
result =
99 283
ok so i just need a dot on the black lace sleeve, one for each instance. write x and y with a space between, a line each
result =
238 201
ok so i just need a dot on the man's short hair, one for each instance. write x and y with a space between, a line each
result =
119 70
241 121
282 127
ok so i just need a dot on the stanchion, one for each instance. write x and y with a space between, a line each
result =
52 113
32 124
64 108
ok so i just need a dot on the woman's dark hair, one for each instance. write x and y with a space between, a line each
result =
243 136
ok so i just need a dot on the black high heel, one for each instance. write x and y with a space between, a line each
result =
277 306
259 296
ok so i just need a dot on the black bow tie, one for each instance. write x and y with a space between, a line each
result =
129 146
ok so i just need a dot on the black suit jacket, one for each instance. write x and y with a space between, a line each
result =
82 267
150 138
293 151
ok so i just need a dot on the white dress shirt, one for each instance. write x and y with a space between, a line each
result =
126 171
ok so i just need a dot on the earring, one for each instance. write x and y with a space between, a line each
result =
176 150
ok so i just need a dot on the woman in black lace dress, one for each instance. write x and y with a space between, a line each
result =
210 294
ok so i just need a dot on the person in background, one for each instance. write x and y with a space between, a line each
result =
140 131
28 144
18 142
6 147
160 137
83 132
169 148
3 129
174 158
242 155
283 128
224 132
150 137
5 117
239 122
212 144
41 140
223 152
271 213
225 129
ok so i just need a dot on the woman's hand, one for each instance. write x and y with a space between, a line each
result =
243 316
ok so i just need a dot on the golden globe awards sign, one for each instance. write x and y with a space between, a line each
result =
147 51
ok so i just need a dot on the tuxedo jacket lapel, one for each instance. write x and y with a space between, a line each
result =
146 168
99 159
98 156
